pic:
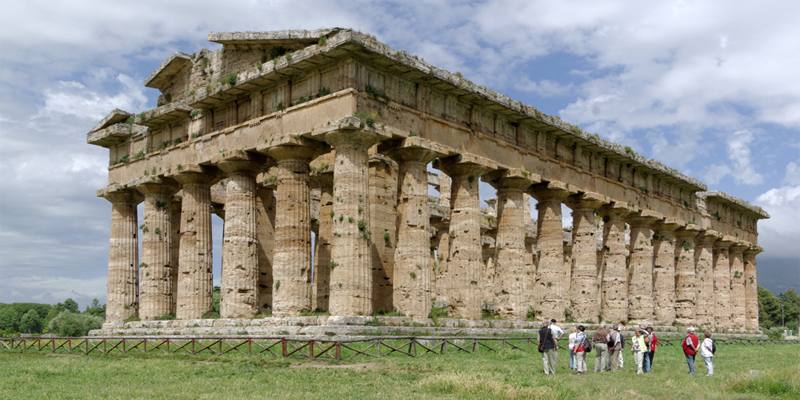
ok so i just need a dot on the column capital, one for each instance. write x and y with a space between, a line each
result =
413 148
550 191
353 136
586 201
667 225
723 244
615 210
156 186
753 250
118 194
740 246
511 178
708 237
295 150
194 173
465 164
644 218
687 231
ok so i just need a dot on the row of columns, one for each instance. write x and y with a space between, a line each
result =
668 274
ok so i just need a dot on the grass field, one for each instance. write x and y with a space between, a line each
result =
742 372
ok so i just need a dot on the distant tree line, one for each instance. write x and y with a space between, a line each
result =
778 311
62 319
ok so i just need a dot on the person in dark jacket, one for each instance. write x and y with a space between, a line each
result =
652 342
690 345
549 349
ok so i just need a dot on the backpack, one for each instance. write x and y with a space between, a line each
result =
587 345
713 347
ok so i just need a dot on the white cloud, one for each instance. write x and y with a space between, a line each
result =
740 165
792 176
544 87
779 234
75 99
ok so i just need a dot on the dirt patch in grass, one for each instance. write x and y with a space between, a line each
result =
322 365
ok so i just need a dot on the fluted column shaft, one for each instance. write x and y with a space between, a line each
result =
291 271
351 258
640 281
464 258
383 189
322 255
722 287
704 271
156 288
664 274
412 259
511 300
239 289
123 257
552 273
583 290
614 278
265 232
194 264
685 278
738 300
751 290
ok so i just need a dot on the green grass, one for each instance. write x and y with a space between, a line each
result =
743 372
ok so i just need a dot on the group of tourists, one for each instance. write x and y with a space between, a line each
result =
608 343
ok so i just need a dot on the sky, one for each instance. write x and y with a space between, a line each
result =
709 88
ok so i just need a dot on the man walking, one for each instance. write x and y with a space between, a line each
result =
690 344
548 348
600 341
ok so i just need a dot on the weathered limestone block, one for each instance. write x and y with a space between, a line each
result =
640 271
265 232
351 258
552 273
751 288
442 240
510 296
664 272
704 274
383 218
583 290
412 259
123 256
685 278
156 290
239 281
738 299
460 282
322 254
194 265
291 268
614 276
722 286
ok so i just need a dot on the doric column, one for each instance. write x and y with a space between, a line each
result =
195 260
613 276
552 273
704 276
123 256
439 286
510 296
291 269
664 272
751 288
738 300
722 286
351 257
175 250
583 289
460 283
412 259
156 290
640 270
265 232
239 281
322 255
685 278
382 224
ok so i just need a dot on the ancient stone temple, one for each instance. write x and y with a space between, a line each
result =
348 176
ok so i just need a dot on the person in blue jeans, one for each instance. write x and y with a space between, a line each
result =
690 345
652 341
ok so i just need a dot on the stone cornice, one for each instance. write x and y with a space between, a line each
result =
736 202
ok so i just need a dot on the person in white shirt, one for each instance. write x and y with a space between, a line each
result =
557 331
707 352
572 342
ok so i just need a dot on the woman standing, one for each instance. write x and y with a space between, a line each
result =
580 350
638 348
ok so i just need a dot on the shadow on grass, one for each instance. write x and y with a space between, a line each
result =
783 384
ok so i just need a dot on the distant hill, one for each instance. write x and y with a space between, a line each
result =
779 274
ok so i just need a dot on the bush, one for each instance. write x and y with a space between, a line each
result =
68 323
775 333
31 322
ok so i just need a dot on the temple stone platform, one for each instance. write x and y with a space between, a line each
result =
328 327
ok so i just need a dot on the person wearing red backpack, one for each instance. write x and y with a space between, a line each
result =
582 346
652 342
690 345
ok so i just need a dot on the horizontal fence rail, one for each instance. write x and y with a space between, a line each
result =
297 348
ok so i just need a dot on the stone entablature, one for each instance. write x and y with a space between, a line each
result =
281 120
